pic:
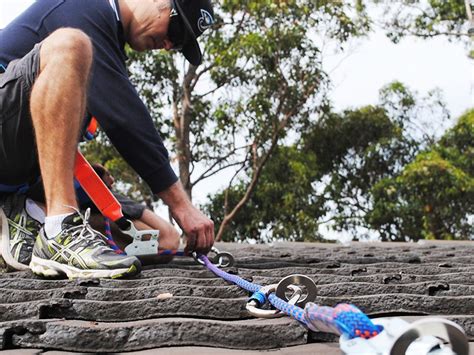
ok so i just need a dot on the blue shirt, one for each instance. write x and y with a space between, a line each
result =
111 98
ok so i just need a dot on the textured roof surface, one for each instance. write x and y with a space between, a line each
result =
392 279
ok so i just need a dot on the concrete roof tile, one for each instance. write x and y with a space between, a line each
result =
185 309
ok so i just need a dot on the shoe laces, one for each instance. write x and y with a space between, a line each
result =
84 232
21 228
21 225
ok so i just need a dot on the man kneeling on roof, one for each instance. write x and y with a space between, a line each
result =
61 61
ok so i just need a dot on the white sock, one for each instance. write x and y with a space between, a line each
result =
34 211
52 224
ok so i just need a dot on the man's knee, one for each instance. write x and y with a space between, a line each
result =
67 45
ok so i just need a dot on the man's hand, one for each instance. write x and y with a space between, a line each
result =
198 228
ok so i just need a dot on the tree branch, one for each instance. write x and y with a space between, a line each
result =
211 173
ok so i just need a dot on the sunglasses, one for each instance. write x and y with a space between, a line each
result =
176 30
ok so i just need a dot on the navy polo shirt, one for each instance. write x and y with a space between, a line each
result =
112 99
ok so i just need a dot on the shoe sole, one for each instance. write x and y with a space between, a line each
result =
50 268
5 244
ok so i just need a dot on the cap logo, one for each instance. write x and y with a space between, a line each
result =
205 21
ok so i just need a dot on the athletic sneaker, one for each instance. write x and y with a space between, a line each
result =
79 252
18 231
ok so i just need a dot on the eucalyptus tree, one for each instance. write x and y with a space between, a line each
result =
432 197
260 86
260 82
328 176
425 18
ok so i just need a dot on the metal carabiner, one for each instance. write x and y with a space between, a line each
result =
218 260
224 259
417 338
252 305
440 330
196 257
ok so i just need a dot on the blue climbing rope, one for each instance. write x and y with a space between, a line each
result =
344 319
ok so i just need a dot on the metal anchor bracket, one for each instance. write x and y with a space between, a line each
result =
140 247
304 283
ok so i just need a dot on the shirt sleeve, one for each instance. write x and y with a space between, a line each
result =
115 103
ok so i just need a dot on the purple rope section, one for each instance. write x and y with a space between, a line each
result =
342 319
251 287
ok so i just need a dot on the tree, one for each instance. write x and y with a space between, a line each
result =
281 207
329 175
358 148
427 18
432 197
260 86
261 74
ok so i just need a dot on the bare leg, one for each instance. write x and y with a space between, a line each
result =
169 236
57 109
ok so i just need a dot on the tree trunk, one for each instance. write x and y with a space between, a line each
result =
257 170
182 116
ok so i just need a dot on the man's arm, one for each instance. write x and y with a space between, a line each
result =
198 228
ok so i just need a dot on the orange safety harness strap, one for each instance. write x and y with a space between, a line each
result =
91 129
98 192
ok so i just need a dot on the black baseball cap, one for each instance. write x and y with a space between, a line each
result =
196 16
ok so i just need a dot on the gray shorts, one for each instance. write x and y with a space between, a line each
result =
18 154
130 209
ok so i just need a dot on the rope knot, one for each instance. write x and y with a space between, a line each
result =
343 319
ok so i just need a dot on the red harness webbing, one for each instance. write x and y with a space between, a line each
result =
96 189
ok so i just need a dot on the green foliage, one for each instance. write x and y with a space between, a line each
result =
426 19
334 135
330 175
432 198
262 85
357 149
281 206
457 144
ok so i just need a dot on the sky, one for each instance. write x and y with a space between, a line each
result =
9 9
422 65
